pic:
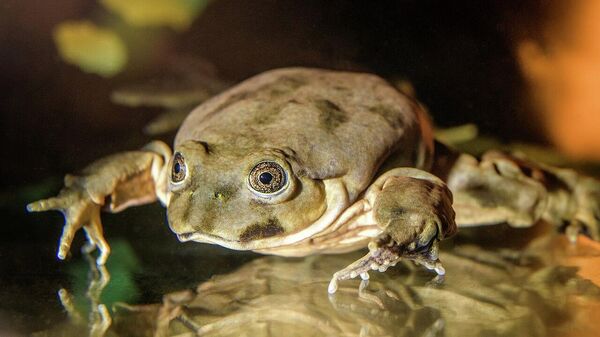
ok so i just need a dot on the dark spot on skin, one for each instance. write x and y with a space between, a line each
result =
277 92
270 113
181 211
397 212
392 115
281 86
231 100
331 115
209 214
262 230
552 182
267 114
284 85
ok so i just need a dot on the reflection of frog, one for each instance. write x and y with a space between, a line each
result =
488 293
300 161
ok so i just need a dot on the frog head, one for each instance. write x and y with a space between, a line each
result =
242 199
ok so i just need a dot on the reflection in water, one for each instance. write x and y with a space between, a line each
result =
485 293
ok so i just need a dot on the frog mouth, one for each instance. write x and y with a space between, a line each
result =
270 242
203 237
227 243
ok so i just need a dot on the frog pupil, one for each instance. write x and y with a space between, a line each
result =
177 168
265 178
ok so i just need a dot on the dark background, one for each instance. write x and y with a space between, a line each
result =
56 118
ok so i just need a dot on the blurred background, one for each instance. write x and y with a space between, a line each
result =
523 71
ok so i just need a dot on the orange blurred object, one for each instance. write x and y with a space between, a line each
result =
585 255
563 74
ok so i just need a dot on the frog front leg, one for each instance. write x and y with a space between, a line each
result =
112 183
413 209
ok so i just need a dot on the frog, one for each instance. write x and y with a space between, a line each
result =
303 161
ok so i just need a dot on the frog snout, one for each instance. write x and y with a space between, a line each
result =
183 237
177 228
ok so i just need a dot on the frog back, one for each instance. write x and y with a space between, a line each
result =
334 124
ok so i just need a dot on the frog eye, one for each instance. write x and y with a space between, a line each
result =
267 178
179 169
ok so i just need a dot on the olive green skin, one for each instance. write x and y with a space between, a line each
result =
318 125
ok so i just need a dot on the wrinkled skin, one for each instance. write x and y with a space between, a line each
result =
301 161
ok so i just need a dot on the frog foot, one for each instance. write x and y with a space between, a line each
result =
586 219
385 253
112 184
80 211
414 210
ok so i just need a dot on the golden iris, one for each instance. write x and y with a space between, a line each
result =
267 177
179 169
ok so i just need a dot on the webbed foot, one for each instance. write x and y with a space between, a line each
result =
415 213
586 219
385 253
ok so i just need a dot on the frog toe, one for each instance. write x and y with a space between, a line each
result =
385 253
586 218
589 228
378 259
54 203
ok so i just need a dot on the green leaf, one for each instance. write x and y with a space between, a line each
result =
93 49
177 14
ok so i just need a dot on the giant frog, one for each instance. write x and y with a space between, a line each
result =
300 161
